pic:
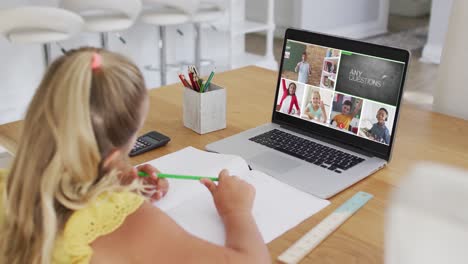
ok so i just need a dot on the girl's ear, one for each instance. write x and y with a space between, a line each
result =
112 158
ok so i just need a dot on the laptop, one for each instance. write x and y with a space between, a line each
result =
334 116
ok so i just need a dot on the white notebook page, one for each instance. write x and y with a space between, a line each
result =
277 207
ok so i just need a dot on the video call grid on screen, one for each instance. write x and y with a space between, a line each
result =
359 97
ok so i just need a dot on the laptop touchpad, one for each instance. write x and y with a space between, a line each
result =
274 162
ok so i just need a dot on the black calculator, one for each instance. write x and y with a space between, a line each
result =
149 141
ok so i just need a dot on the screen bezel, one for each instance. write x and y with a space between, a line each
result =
372 147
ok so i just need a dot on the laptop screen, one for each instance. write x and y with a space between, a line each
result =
350 92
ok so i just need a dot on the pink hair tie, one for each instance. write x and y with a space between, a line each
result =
96 61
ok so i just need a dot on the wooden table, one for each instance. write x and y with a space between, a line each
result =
421 135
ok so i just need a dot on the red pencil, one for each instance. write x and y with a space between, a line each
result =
184 81
194 85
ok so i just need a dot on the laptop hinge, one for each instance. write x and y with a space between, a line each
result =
329 141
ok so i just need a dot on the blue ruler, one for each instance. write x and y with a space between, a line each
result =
321 231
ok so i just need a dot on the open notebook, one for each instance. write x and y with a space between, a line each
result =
277 207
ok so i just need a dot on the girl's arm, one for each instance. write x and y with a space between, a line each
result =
285 89
285 93
296 104
308 113
358 107
151 236
324 113
282 100
293 104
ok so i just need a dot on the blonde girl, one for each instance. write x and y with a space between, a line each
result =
315 108
71 195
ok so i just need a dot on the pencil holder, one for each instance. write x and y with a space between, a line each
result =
205 112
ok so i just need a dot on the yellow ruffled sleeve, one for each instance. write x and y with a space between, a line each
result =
100 218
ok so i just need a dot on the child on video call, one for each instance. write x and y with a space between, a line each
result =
71 195
315 109
379 131
344 119
289 99
303 69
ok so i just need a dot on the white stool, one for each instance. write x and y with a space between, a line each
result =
163 13
35 24
104 16
208 11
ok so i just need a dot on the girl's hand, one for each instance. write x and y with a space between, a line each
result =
322 105
161 186
231 194
359 104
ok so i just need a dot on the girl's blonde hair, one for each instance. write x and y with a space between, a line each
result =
77 117
315 92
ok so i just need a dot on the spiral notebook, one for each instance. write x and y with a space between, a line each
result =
278 207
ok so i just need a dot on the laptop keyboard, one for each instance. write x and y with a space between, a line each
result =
307 150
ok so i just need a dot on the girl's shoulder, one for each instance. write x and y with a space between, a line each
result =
103 215
100 217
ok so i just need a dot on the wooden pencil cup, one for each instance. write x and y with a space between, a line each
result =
205 112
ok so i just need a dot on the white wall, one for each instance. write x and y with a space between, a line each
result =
334 13
438 24
451 92
412 8
287 13
20 71
354 19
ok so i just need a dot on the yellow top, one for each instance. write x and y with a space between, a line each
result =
343 120
99 218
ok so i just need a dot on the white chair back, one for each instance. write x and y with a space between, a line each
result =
221 5
187 6
38 24
129 8
427 221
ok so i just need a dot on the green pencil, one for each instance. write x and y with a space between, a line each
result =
179 177
207 83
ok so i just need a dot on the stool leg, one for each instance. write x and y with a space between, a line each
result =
47 53
104 40
162 54
197 45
